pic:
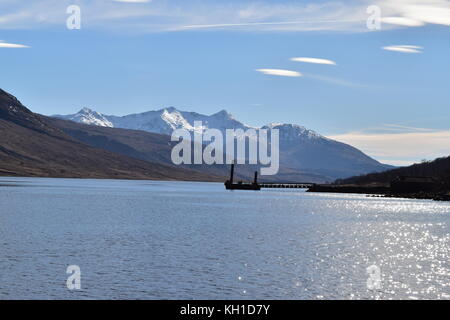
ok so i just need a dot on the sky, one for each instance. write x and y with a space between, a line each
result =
373 74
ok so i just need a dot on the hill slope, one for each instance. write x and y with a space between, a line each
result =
301 150
439 168
157 148
31 146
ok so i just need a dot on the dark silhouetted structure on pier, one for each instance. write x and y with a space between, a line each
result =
230 185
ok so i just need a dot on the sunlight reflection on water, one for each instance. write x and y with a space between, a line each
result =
180 240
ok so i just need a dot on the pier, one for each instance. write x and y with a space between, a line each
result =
231 185
294 185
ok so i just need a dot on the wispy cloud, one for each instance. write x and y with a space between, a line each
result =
434 11
336 81
348 16
236 15
403 21
400 145
280 72
314 60
300 25
11 45
415 13
404 48
400 128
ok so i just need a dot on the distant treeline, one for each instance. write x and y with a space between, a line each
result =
439 168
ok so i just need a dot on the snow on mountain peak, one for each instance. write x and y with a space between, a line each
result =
165 120
88 116
175 119
300 148
293 131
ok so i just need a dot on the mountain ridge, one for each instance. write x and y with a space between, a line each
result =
301 149
30 145
155 147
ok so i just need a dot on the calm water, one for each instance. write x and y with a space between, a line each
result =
180 240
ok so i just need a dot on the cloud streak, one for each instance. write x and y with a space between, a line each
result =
236 15
314 60
308 25
280 72
12 45
404 49
403 21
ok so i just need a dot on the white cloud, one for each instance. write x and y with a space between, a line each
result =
11 45
434 11
280 72
415 13
237 15
251 24
182 15
402 21
314 60
401 145
331 15
404 48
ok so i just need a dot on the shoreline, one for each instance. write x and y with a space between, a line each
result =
381 191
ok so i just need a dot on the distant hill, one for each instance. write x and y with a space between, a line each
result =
157 148
305 155
439 168
32 146
92 146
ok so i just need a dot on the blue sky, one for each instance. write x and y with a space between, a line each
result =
391 101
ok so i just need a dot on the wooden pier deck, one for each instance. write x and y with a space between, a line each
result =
255 185
294 185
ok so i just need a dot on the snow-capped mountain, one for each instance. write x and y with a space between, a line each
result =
293 132
300 148
88 116
164 121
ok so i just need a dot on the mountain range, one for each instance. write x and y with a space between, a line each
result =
89 144
31 145
162 121
304 151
